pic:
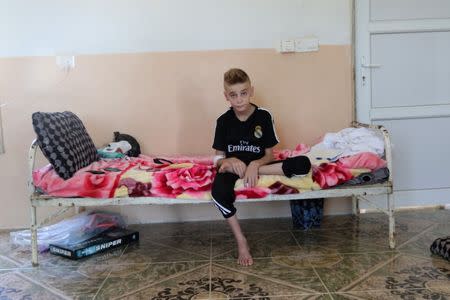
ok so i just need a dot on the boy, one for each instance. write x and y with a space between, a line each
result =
243 141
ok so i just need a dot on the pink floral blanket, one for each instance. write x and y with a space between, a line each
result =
189 177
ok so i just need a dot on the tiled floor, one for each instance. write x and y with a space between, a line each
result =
347 258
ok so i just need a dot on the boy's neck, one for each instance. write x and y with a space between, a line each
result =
243 116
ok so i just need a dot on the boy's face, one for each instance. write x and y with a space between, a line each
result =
239 95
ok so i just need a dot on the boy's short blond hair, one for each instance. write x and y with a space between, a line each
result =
234 76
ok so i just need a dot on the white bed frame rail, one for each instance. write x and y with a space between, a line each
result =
356 192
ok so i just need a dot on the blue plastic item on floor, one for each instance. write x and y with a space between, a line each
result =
307 213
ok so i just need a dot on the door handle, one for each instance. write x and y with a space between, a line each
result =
370 66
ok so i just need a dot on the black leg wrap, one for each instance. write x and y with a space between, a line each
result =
298 165
222 192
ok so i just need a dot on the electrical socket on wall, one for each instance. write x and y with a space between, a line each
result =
65 62
305 44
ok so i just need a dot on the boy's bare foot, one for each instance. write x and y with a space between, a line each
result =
245 258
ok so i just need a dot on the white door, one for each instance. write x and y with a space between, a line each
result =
403 82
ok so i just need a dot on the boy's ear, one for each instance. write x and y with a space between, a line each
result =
225 95
252 91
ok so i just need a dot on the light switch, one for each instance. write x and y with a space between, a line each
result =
307 44
287 46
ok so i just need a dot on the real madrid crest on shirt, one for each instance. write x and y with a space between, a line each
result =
258 132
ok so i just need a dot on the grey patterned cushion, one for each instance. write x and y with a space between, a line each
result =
441 246
64 141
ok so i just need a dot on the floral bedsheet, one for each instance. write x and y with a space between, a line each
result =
188 178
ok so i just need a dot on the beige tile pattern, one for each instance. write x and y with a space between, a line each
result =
346 258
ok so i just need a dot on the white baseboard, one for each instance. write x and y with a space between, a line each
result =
417 198
208 212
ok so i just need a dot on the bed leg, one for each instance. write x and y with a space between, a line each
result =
355 205
391 220
34 247
79 209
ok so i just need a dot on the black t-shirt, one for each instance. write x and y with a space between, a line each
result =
246 140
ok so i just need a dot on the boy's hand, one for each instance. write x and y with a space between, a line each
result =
251 174
233 165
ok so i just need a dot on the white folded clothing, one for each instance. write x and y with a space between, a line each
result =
351 141
121 146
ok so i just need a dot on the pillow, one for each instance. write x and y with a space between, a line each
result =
441 247
64 142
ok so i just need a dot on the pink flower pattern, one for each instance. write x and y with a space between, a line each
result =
171 182
330 174
279 188
300 149
252 193
136 188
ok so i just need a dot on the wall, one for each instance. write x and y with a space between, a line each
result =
154 69
49 27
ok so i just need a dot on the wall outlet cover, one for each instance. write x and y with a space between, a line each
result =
65 62
307 44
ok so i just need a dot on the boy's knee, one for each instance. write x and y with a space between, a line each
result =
223 186
298 165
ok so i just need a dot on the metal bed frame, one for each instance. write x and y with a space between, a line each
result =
356 192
